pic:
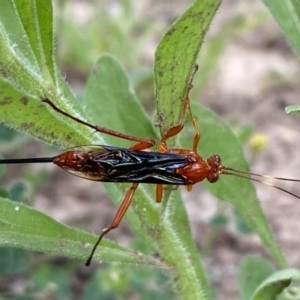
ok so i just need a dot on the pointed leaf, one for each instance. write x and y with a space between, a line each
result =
287 15
175 59
30 115
36 19
275 284
24 227
293 110
111 102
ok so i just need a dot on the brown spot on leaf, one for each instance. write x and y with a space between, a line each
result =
6 100
26 126
159 119
24 100
69 137
170 32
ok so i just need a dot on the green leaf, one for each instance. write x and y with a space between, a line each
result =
293 110
24 227
18 62
36 19
217 138
175 59
27 74
287 15
252 272
15 44
111 102
31 116
275 284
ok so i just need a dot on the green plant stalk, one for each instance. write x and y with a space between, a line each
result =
183 261
180 255
187 273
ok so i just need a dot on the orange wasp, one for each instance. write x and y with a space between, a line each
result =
139 164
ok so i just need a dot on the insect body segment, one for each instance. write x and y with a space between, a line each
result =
112 164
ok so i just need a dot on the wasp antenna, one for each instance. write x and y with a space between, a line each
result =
26 160
260 175
262 182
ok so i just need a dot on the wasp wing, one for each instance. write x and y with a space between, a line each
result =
113 164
